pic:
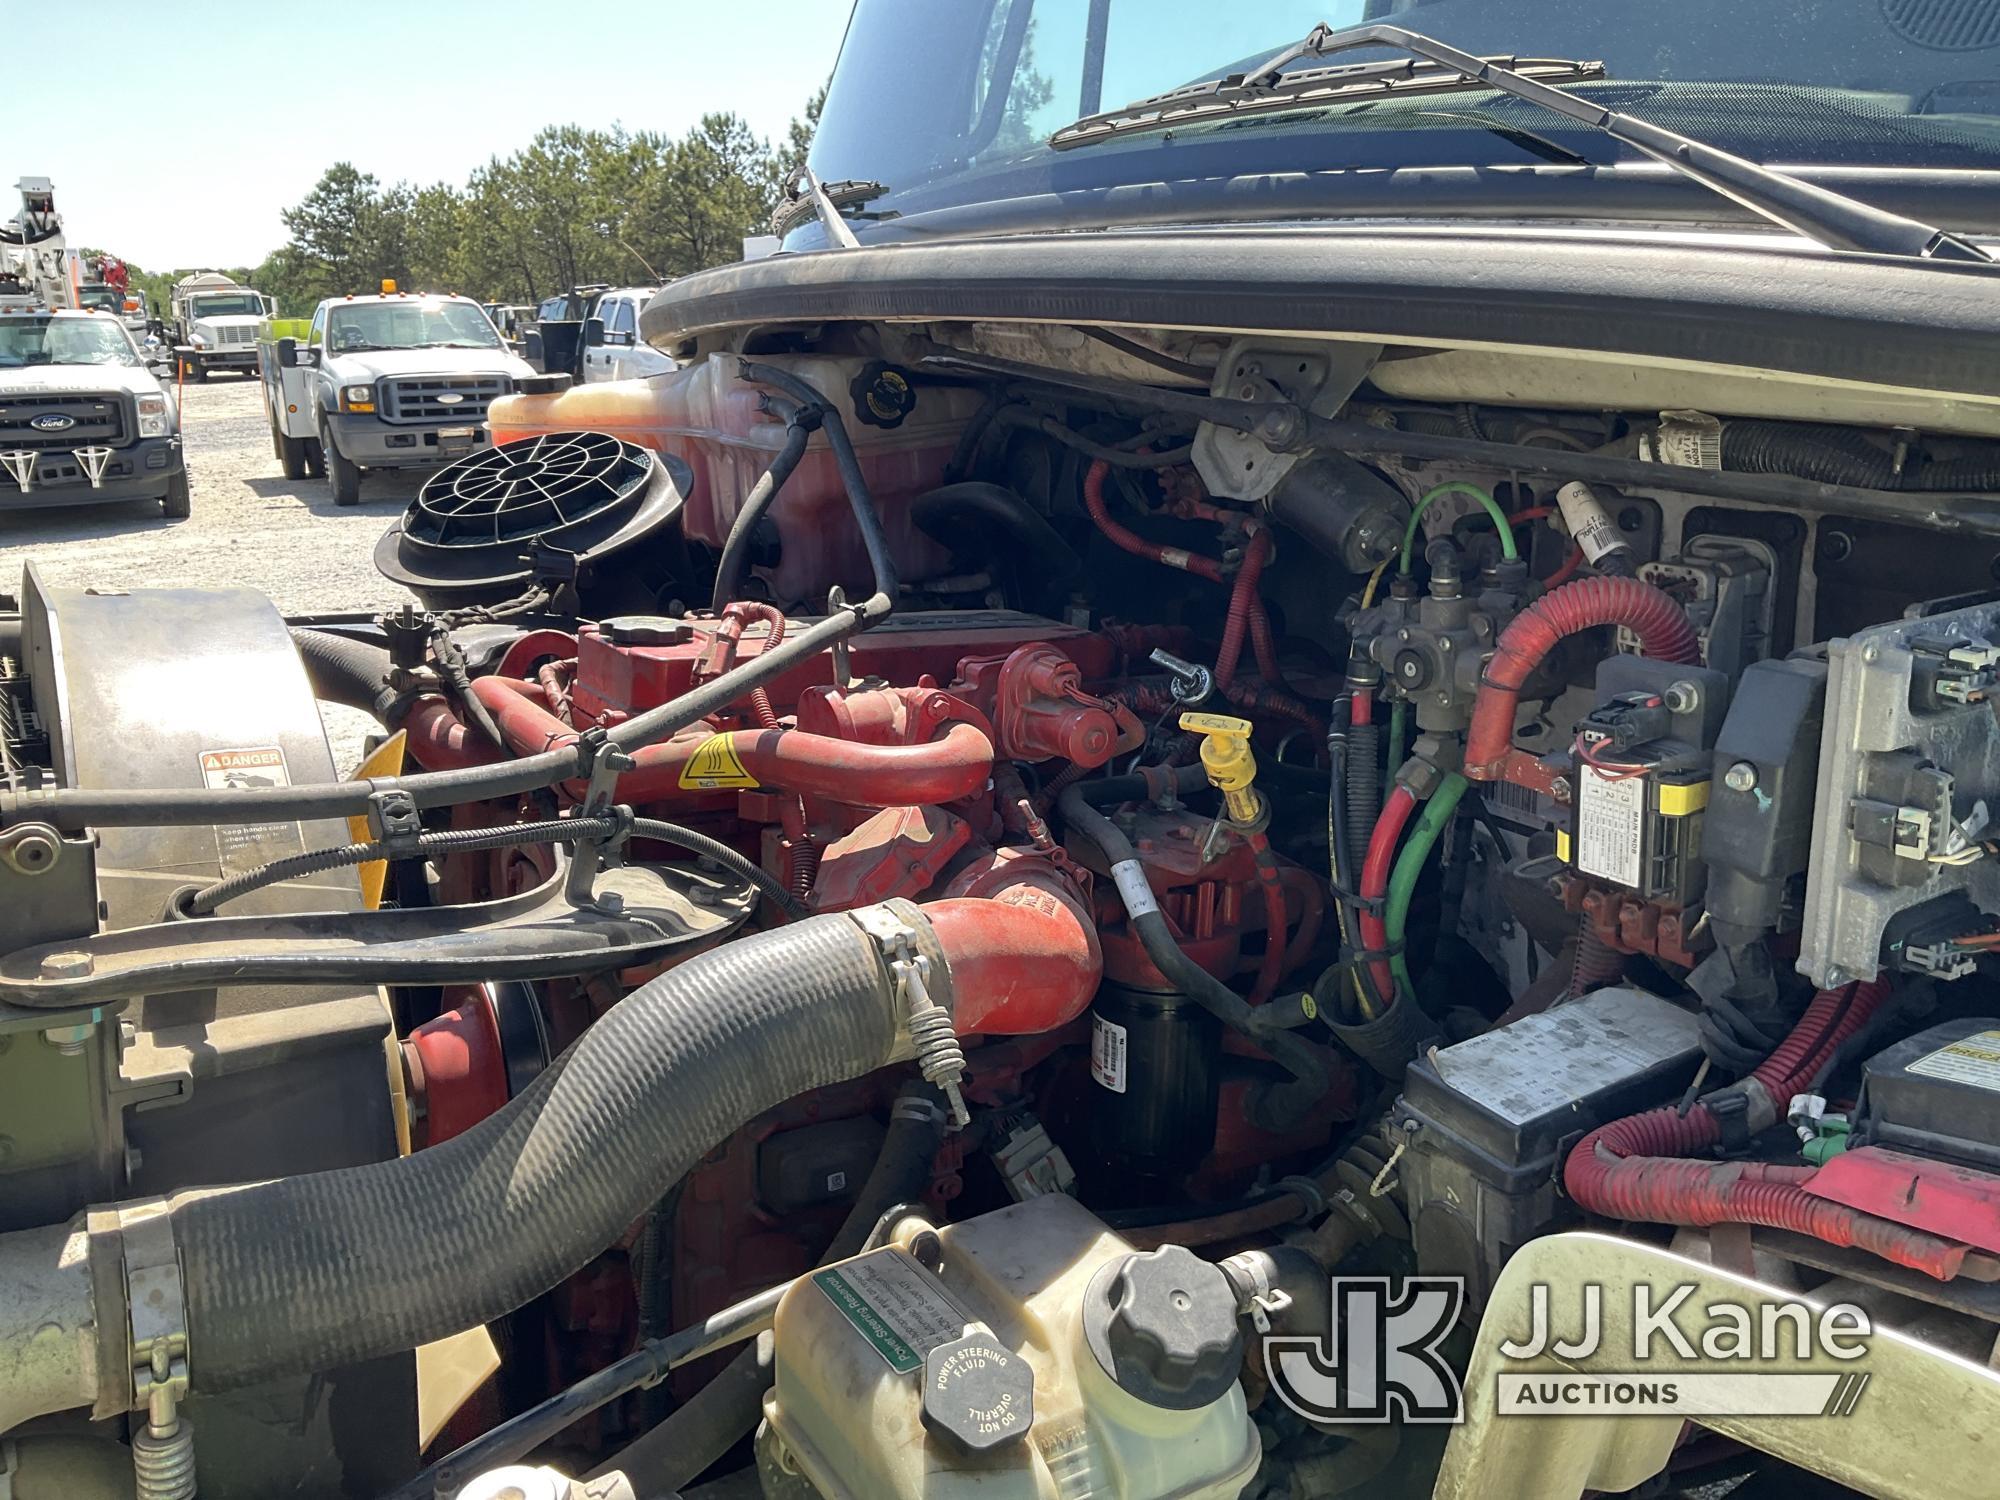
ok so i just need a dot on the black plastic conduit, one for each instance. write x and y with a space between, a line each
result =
311 1272
801 422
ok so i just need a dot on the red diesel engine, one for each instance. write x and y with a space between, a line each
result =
918 764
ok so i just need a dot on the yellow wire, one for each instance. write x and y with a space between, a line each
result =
1374 578
1361 996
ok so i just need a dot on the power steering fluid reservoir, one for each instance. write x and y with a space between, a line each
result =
1029 1352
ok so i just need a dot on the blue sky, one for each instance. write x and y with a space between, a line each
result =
103 98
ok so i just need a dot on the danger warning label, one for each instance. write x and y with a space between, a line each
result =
242 845
715 766
233 770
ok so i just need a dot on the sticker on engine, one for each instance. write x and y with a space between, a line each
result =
1971 1059
242 846
1610 826
233 770
895 1304
1107 1053
715 766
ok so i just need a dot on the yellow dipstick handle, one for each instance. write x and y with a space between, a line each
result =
1226 756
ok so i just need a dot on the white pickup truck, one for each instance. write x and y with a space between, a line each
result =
83 418
395 381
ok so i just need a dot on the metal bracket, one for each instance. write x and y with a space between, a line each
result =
843 663
94 461
1313 375
20 464
601 762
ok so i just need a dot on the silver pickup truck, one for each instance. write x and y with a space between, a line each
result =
393 381
83 419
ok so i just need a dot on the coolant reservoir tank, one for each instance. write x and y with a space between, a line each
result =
712 419
1029 1352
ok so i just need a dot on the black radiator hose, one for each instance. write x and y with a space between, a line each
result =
344 671
331 1268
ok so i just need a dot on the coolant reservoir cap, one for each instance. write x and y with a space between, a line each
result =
977 1395
1162 1323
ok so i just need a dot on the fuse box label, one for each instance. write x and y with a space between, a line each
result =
1107 1054
900 1308
1610 826
1973 1060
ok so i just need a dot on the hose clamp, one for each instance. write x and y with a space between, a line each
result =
940 1058
156 1309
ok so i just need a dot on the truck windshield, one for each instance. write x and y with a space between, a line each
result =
1863 83
101 298
64 341
228 305
409 325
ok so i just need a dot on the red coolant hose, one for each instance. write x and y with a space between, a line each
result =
1655 617
1375 887
1641 1168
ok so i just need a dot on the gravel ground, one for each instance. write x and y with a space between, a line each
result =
249 526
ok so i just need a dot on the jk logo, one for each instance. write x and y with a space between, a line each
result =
1379 1362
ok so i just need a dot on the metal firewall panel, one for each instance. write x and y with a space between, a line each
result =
1873 730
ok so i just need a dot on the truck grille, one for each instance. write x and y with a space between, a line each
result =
418 398
95 420
244 334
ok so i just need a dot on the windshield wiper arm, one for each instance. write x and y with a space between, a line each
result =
1829 218
1268 88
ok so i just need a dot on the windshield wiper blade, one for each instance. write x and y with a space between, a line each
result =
1828 218
1268 89
799 203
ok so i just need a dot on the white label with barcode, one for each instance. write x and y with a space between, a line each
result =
1107 1053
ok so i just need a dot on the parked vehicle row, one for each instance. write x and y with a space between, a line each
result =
89 410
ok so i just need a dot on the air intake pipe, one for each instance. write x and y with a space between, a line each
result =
311 1272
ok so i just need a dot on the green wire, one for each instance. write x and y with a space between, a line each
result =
1436 817
1399 726
1456 487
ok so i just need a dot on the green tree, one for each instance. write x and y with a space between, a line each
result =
329 254
572 206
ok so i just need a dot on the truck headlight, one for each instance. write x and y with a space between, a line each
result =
198 340
357 398
156 417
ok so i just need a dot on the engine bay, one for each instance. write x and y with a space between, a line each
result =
917 890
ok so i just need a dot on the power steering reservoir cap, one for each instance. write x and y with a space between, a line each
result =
1162 1323
977 1395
